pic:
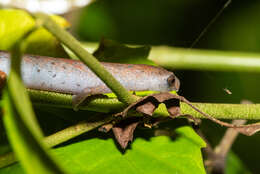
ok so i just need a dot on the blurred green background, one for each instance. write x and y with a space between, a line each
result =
178 23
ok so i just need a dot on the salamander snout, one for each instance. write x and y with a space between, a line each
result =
173 82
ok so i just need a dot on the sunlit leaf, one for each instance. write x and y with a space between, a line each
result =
180 153
14 23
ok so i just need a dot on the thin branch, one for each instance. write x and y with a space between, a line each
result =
216 160
73 131
228 139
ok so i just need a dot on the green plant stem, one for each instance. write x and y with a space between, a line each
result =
195 59
75 46
219 111
58 138
73 131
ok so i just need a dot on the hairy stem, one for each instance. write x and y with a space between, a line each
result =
219 111
75 46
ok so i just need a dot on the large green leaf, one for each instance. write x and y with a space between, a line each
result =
180 153
15 23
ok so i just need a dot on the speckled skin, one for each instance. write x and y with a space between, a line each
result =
72 77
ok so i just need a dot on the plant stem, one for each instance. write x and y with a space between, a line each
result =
73 131
75 46
195 59
219 111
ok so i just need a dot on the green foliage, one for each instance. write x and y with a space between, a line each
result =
235 165
103 23
162 154
159 155
15 23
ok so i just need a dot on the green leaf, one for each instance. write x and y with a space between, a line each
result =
14 169
15 23
180 153
235 165
111 51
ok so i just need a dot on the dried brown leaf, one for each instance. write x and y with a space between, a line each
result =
249 129
124 131
148 104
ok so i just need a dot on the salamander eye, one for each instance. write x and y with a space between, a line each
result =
173 82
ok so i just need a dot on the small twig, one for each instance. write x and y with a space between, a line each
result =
228 139
216 162
73 131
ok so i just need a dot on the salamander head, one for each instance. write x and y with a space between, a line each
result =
173 82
